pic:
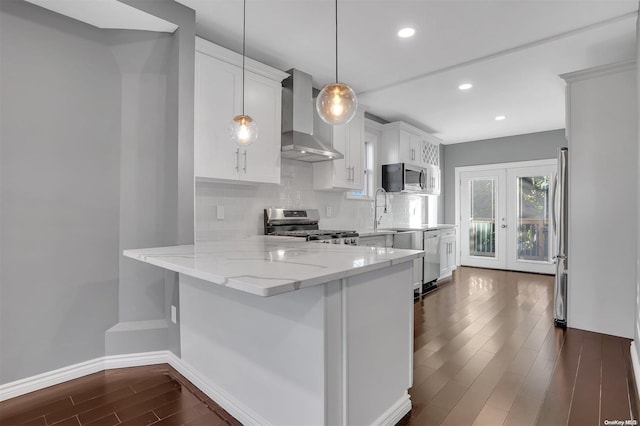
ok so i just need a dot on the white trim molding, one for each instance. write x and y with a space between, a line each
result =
237 409
64 374
635 364
395 413
40 381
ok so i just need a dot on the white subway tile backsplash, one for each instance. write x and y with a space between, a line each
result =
244 205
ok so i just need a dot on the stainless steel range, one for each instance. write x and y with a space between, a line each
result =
303 223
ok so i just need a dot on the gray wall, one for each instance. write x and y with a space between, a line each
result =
178 158
60 189
533 146
96 148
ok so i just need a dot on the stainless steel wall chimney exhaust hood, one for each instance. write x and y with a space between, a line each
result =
298 142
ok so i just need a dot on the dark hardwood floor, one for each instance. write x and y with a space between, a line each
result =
486 353
135 396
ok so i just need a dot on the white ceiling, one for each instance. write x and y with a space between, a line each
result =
511 50
107 14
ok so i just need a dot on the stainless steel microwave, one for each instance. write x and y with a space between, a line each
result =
402 177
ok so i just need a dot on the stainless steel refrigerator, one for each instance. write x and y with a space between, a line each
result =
560 206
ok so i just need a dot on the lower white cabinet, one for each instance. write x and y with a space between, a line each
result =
218 98
447 252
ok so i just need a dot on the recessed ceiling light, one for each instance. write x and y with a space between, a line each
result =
406 32
500 117
465 86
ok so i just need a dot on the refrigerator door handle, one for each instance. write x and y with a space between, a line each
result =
554 190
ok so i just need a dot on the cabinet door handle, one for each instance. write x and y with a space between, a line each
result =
237 159
353 173
244 169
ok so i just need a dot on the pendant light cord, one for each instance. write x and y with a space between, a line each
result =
336 3
244 42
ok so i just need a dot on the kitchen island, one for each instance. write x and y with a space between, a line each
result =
285 332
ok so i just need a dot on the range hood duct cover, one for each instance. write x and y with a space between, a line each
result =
298 142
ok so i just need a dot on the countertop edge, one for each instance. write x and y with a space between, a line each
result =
276 289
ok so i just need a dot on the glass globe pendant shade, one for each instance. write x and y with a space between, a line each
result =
244 130
336 104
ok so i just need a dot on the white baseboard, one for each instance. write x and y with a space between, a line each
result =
64 374
635 363
395 413
240 411
237 409
30 384
50 378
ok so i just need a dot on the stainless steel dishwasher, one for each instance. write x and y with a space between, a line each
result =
431 258
412 240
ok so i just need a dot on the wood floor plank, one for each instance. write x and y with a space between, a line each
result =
34 410
128 401
615 394
585 408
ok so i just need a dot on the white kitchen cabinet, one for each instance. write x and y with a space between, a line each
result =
447 252
403 143
346 173
218 98
432 179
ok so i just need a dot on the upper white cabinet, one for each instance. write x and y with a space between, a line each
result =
346 173
432 179
218 98
403 143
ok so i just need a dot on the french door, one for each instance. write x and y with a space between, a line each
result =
505 216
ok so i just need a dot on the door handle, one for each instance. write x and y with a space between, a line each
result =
237 159
503 226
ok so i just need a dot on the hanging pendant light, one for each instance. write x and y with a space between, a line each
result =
243 128
337 103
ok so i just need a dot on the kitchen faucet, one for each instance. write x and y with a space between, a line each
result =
377 221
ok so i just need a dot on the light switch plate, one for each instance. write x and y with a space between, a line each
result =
220 212
174 314
329 211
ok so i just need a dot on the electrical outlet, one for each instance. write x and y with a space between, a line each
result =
220 212
329 211
174 314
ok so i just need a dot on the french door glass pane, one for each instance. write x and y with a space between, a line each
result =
533 218
482 229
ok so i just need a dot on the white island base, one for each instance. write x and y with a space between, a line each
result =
338 353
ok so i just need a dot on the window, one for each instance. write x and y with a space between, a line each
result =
369 172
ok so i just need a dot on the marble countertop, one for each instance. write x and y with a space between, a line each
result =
267 265
372 233
395 230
